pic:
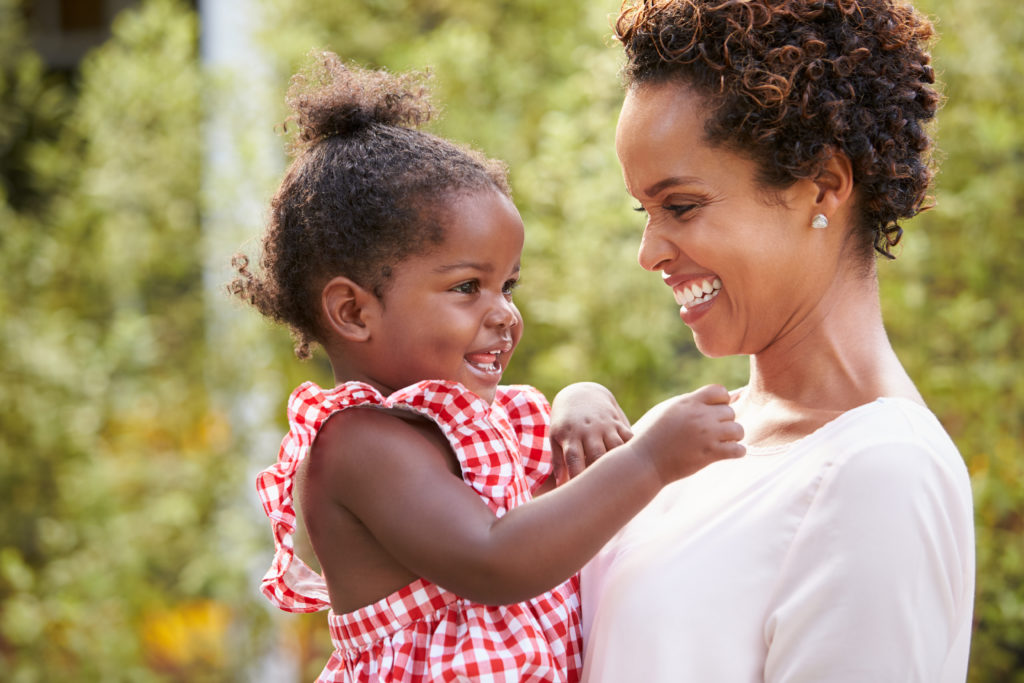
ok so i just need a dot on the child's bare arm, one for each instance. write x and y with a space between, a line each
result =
398 482
586 423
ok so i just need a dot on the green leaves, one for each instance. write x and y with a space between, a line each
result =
117 468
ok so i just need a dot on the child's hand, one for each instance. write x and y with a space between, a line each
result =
586 422
685 433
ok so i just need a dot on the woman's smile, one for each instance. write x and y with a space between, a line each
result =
691 292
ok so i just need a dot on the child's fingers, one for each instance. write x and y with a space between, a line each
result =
731 449
557 463
596 445
712 393
569 461
593 447
732 431
613 439
720 412
624 431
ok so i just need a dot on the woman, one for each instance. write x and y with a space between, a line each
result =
774 147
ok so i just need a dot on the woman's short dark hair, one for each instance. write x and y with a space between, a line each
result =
790 82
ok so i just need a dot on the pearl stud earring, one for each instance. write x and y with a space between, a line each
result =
820 221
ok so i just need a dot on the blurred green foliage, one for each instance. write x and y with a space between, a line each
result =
954 309
130 526
115 467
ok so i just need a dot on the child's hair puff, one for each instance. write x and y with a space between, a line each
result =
335 99
366 189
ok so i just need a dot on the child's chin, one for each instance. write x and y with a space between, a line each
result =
485 391
484 384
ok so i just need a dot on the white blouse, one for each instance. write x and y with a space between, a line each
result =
845 556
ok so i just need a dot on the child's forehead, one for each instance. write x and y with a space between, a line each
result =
481 220
481 231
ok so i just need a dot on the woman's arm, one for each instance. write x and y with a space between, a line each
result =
878 585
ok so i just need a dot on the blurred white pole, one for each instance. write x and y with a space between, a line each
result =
243 158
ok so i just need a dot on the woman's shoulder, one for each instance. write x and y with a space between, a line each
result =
886 421
892 444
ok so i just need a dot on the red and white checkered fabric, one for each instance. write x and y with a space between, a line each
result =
424 632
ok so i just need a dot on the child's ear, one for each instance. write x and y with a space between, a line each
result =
347 308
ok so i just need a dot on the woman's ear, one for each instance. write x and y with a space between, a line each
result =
834 184
348 309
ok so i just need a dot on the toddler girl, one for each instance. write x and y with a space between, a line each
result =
397 251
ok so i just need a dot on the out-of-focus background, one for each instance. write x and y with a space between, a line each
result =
139 144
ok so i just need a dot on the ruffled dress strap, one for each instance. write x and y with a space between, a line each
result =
290 583
486 440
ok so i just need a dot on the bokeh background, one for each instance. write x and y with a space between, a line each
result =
139 143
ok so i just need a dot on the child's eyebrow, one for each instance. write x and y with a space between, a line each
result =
470 265
464 265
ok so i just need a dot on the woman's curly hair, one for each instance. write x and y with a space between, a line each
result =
365 190
790 82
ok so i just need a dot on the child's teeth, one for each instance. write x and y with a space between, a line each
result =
486 360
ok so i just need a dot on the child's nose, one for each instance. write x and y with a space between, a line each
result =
504 313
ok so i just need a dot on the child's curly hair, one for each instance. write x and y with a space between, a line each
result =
365 190
789 82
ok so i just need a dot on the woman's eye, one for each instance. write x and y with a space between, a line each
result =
509 286
468 287
679 210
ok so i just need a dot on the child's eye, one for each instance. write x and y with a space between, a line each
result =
467 287
509 286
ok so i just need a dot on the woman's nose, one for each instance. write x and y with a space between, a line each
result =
655 251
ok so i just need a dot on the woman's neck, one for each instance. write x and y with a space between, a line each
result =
841 360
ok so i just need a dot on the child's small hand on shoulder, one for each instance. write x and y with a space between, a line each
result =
683 434
586 423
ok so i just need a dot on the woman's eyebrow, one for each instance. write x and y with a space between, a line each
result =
668 182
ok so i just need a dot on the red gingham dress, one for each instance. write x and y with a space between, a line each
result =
423 632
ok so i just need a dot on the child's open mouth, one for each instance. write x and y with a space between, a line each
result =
486 361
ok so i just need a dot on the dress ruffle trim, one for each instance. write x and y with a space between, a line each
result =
290 583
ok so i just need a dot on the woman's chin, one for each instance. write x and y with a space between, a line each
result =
712 348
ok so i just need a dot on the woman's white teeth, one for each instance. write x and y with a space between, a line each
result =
698 292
